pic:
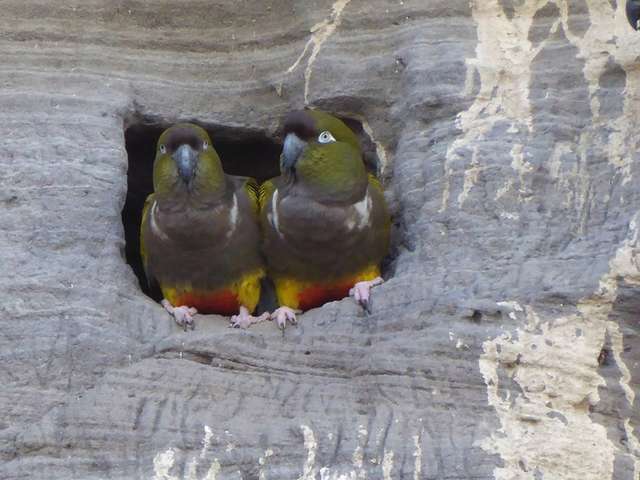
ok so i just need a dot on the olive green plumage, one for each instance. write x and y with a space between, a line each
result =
199 234
210 177
331 171
325 221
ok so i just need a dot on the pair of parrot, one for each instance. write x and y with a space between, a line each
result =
320 229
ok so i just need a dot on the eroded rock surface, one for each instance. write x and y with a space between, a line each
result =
504 343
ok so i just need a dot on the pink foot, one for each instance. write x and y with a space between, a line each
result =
282 315
244 319
361 292
183 315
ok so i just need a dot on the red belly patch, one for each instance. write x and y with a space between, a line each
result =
320 294
223 302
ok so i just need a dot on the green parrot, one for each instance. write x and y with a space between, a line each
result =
200 234
325 222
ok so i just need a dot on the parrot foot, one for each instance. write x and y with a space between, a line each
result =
282 315
183 315
361 292
244 319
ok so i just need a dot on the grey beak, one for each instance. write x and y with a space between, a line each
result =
291 151
186 159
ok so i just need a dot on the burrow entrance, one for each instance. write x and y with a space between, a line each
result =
242 152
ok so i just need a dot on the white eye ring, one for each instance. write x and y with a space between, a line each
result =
205 145
163 149
326 137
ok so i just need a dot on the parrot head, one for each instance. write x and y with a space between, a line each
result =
186 161
323 154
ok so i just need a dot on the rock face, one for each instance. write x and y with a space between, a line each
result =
505 343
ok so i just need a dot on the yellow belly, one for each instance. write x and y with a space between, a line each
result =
304 295
224 301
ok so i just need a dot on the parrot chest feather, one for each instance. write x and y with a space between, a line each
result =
301 221
360 214
273 215
195 226
233 217
154 223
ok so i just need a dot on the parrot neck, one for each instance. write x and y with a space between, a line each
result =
209 180
199 188
340 177
332 173
347 189
213 184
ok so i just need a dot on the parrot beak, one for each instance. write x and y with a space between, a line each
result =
291 151
186 159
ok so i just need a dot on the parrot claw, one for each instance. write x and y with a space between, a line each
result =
361 292
282 315
244 319
183 315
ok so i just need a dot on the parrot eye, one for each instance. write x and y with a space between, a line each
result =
205 145
163 149
326 137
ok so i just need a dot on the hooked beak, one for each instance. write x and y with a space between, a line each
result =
186 159
291 151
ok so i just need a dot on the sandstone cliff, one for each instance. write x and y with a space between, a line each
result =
505 343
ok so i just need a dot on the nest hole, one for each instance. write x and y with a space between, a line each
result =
242 152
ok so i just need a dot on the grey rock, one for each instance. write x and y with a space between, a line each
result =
504 343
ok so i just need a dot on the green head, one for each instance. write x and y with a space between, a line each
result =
186 162
322 154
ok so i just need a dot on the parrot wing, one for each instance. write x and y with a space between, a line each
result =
143 248
252 189
265 193
374 182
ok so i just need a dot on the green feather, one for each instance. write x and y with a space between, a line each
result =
340 131
265 192
253 193
333 171
209 177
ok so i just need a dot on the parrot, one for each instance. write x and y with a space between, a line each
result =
325 223
200 233
633 13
